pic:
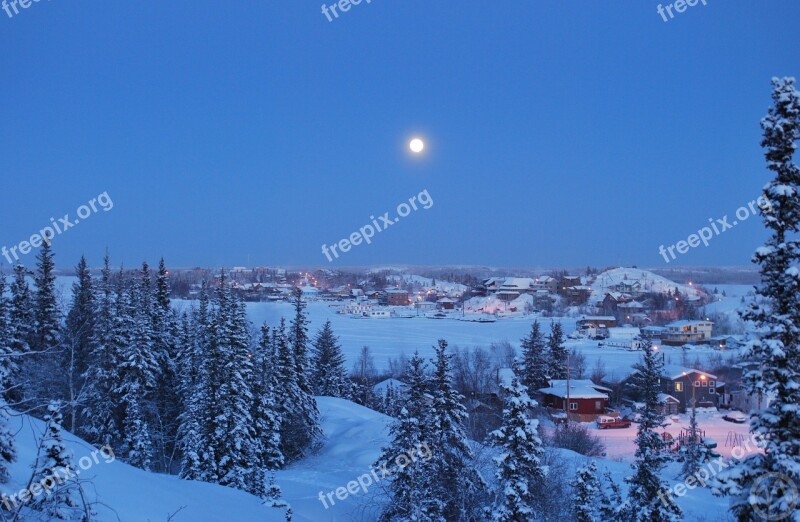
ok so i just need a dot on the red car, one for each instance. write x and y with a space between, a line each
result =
605 423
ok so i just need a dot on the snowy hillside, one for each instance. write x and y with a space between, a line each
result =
610 280
353 438
124 493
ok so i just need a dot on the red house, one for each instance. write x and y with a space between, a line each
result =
587 400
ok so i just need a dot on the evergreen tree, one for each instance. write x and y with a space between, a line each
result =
535 367
458 485
329 377
305 411
587 494
755 480
167 395
81 316
8 449
79 334
55 461
266 420
232 437
197 461
299 424
138 369
8 364
694 452
409 497
557 352
46 313
99 417
21 311
648 496
519 472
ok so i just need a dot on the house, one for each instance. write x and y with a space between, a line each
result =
679 333
577 295
568 282
598 321
631 287
397 297
587 400
686 384
513 287
547 283
669 404
446 303
612 301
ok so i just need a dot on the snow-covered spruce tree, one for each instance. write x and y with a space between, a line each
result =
329 378
47 314
298 339
21 311
78 335
266 420
231 435
694 451
587 494
195 420
81 317
777 314
306 407
101 406
557 352
458 486
54 463
519 470
8 363
8 449
299 423
7 368
648 499
138 372
43 371
408 491
167 406
535 367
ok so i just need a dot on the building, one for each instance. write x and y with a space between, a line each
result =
686 384
587 400
679 333
513 287
546 283
598 321
446 303
397 297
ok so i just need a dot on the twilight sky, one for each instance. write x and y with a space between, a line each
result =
252 132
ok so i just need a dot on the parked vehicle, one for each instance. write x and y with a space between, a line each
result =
605 423
735 416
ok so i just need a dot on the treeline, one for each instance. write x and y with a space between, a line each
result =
198 394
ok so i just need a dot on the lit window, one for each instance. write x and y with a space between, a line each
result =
679 386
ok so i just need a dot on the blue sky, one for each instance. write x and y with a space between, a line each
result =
252 132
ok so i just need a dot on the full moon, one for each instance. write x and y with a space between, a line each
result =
416 145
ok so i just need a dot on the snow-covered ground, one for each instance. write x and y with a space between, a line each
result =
354 436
